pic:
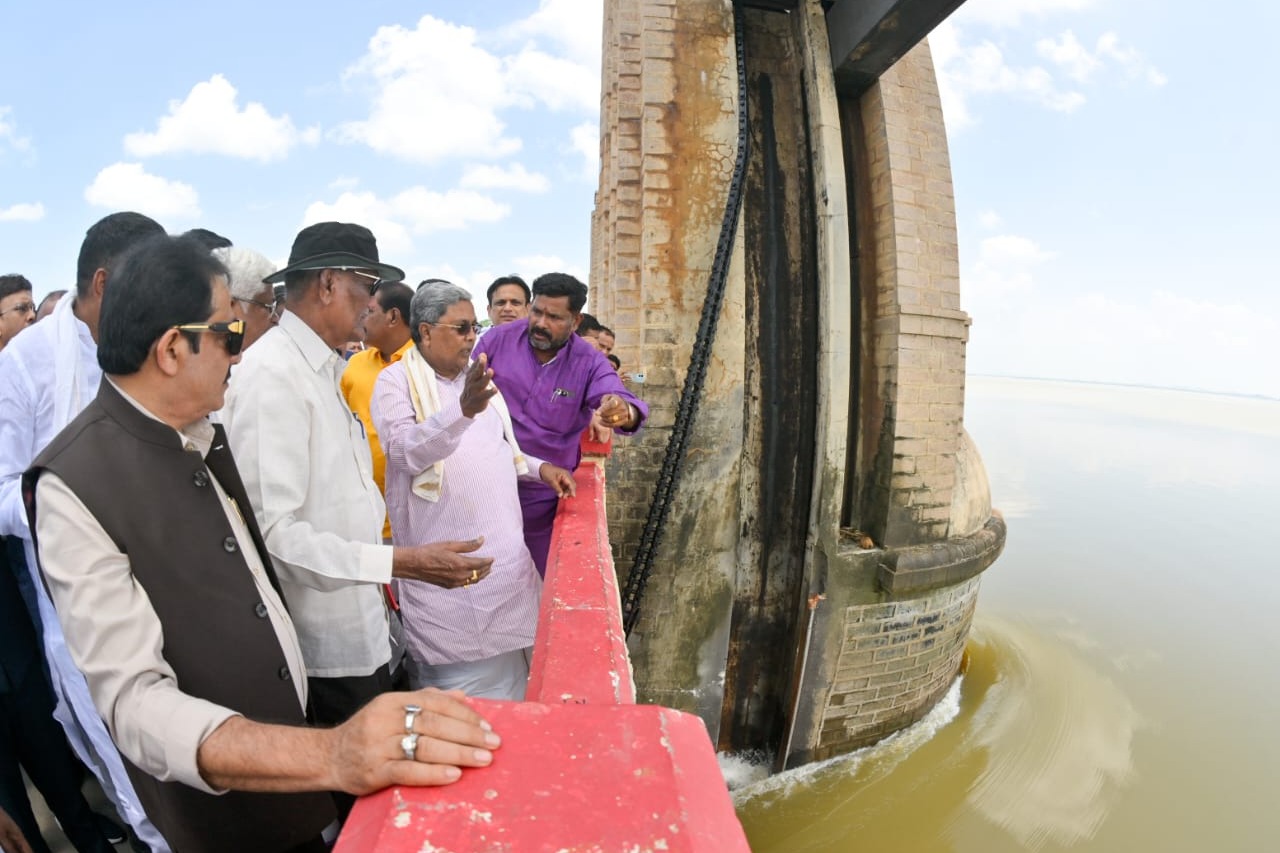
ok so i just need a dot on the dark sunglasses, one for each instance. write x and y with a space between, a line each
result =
461 328
233 330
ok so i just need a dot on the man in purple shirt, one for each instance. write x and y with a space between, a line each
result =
552 381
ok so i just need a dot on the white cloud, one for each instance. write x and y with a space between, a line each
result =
535 265
344 182
575 25
559 83
1006 264
1009 13
437 92
1130 60
22 213
1069 54
416 210
127 186
980 69
1080 64
585 140
436 95
990 219
9 133
209 121
541 263
514 177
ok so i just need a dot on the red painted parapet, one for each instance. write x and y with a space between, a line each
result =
568 777
580 654
581 767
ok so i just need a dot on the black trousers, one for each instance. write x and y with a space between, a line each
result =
32 738
332 701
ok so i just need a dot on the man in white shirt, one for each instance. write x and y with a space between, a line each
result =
186 656
308 472
47 376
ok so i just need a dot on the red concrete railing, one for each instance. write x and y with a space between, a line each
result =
581 766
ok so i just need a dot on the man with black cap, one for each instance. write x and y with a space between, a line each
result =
308 472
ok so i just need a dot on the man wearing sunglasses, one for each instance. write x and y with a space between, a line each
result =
170 600
48 374
308 472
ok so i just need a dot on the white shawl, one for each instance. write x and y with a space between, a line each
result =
66 364
425 395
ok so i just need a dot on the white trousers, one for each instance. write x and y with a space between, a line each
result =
502 676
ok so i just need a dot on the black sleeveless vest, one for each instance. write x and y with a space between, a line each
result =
157 503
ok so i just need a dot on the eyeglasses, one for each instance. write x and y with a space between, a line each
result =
461 328
371 285
265 306
234 331
23 307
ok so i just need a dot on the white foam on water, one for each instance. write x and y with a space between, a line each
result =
752 773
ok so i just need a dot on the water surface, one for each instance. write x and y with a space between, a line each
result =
1124 687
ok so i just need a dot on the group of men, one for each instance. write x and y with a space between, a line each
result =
215 552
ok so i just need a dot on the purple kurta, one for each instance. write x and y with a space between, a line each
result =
550 404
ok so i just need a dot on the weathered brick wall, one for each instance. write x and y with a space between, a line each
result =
668 131
896 660
919 331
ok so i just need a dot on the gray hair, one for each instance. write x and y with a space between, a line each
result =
246 269
431 302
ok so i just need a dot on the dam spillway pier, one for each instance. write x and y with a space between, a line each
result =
819 566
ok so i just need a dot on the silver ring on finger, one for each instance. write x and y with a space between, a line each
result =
409 745
410 714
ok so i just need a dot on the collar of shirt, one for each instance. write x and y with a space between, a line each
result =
198 433
398 354
317 353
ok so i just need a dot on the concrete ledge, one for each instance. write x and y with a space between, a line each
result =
917 568
581 766
580 653
568 777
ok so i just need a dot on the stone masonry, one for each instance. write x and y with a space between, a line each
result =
886 624
918 330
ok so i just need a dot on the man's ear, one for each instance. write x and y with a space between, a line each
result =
99 283
393 317
577 321
169 351
328 286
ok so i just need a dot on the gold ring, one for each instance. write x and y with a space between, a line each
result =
475 576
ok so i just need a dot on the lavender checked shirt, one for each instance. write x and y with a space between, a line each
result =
478 496
551 404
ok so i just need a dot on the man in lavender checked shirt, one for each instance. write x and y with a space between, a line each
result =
452 464
552 381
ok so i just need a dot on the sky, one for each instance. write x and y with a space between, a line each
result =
1114 161
464 135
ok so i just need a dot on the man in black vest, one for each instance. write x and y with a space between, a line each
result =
168 597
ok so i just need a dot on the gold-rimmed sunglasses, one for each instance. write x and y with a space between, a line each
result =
233 332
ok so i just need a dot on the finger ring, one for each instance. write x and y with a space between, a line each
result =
475 576
409 745
410 712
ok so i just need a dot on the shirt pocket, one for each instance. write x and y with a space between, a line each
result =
559 412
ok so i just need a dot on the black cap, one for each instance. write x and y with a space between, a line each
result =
326 245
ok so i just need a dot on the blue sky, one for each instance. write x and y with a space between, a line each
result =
1114 165
464 135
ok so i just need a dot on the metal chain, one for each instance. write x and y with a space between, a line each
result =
687 409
